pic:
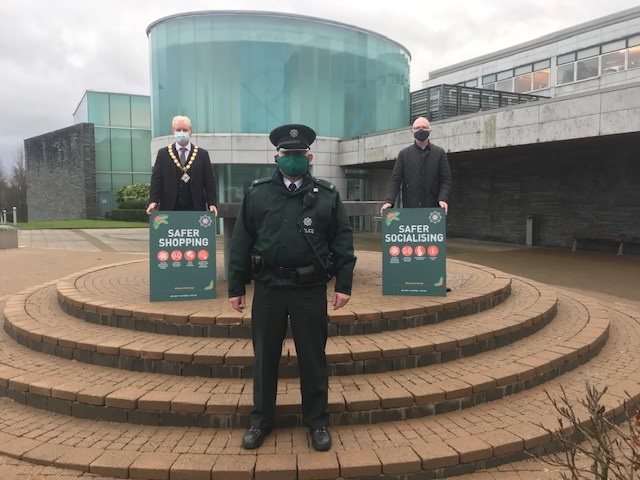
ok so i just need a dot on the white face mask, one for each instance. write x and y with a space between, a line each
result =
181 137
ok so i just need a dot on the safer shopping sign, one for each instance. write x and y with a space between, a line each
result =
414 252
182 256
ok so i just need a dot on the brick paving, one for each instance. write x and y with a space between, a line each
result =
380 396
391 448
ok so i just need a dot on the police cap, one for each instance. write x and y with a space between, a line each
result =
292 137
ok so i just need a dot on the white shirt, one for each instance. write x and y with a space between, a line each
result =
187 146
288 182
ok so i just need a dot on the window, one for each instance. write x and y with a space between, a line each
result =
505 85
612 62
542 65
522 83
587 68
565 74
489 82
634 57
505 74
541 79
489 79
531 77
119 110
588 52
504 81
613 46
566 58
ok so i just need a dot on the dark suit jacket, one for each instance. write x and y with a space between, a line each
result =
165 178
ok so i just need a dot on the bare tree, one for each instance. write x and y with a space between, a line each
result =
13 187
18 184
4 187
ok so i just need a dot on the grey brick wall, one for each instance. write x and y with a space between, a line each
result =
61 174
580 185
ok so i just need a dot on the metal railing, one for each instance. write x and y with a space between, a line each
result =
446 101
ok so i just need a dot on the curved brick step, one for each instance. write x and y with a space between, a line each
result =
439 446
577 333
33 319
117 296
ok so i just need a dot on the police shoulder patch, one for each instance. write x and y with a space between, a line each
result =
324 183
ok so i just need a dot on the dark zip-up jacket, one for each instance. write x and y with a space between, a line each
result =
423 175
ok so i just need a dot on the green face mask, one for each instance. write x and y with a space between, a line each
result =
292 165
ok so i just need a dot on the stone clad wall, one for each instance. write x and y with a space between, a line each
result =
588 185
61 174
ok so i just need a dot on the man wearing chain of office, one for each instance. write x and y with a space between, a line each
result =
182 177
297 232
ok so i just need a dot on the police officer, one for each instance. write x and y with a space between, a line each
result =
297 231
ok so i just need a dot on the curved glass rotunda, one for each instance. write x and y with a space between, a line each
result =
243 72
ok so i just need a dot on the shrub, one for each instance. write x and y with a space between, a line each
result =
133 205
137 192
132 201
595 448
136 215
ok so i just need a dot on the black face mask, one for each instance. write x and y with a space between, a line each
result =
421 135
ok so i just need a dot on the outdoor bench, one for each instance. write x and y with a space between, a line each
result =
619 238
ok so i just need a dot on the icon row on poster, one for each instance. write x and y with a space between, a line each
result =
177 255
418 251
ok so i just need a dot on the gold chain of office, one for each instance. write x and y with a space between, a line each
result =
177 162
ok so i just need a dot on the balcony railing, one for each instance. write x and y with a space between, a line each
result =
446 101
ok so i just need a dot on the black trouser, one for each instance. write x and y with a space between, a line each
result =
307 307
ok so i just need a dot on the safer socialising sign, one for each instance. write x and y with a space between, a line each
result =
414 252
182 256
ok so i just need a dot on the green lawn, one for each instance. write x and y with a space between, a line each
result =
70 224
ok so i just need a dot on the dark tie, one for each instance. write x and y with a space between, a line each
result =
183 156
292 187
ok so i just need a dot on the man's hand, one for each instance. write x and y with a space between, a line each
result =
444 205
151 206
238 303
384 207
340 300
212 208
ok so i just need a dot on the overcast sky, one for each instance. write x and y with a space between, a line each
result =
51 51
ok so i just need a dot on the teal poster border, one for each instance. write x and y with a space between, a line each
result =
414 251
182 256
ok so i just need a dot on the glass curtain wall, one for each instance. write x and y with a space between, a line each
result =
248 72
122 126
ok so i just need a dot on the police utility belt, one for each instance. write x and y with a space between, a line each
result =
319 271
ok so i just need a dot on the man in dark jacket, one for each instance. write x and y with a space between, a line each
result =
296 227
182 177
422 171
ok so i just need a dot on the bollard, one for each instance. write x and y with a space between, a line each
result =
529 232
15 216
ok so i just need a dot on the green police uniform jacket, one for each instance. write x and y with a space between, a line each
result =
270 222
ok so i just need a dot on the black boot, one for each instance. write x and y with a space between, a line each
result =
254 437
320 439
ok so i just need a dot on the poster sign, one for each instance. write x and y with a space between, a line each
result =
182 256
414 252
